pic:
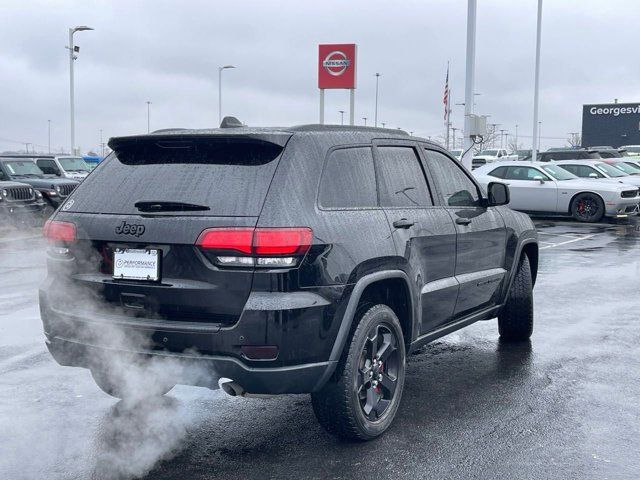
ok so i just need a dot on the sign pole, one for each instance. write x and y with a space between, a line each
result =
352 101
322 106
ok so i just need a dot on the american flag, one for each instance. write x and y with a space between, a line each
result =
445 98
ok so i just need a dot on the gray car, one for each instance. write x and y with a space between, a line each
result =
546 188
598 170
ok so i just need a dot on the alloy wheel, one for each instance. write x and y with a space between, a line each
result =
378 371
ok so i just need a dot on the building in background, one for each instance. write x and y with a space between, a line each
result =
612 124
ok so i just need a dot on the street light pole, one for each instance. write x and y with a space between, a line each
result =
517 137
49 135
148 116
220 69
536 87
341 117
365 121
469 82
375 121
72 58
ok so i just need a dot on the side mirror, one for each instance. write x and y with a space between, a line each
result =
539 178
498 194
593 175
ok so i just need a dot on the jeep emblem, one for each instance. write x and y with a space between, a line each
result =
130 229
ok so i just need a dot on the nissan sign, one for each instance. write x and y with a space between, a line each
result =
337 66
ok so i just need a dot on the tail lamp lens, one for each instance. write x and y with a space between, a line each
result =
265 247
281 241
227 239
63 232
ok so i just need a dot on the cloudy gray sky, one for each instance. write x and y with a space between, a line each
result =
168 52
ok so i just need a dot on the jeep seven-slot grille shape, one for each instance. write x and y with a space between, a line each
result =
630 193
66 189
17 194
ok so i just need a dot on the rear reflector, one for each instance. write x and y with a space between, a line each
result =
56 231
259 352
270 242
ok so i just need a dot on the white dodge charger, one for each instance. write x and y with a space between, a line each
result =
547 189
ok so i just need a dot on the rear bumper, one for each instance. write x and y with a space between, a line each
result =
302 325
303 378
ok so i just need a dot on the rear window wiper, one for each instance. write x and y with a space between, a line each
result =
169 207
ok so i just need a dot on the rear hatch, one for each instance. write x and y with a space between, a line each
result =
154 195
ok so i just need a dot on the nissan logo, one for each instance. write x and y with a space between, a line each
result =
336 63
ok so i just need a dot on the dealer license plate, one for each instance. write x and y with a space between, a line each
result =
136 264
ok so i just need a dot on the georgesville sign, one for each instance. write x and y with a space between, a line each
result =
337 66
612 124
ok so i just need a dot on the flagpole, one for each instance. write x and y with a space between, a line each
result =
447 110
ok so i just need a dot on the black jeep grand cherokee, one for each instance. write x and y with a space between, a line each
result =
309 259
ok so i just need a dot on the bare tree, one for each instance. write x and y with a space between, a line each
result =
574 140
513 146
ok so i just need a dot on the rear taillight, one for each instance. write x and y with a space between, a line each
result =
263 247
59 232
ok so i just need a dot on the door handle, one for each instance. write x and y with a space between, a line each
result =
403 223
463 221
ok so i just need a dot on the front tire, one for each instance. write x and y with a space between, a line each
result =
515 321
587 207
361 402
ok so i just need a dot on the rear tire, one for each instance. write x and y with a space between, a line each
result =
120 390
362 399
587 207
515 321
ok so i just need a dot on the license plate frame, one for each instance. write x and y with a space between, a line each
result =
139 264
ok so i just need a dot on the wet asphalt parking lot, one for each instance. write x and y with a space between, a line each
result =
566 405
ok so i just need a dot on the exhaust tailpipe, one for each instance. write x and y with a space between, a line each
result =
231 388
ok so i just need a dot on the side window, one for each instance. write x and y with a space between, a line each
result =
455 185
585 171
348 179
575 169
401 180
524 173
499 172
47 166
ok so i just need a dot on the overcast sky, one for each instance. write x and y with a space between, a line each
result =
168 53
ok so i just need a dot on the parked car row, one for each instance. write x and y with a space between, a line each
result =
32 188
587 190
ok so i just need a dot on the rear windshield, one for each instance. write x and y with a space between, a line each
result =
227 177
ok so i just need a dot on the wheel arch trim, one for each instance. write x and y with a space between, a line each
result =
350 311
516 263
